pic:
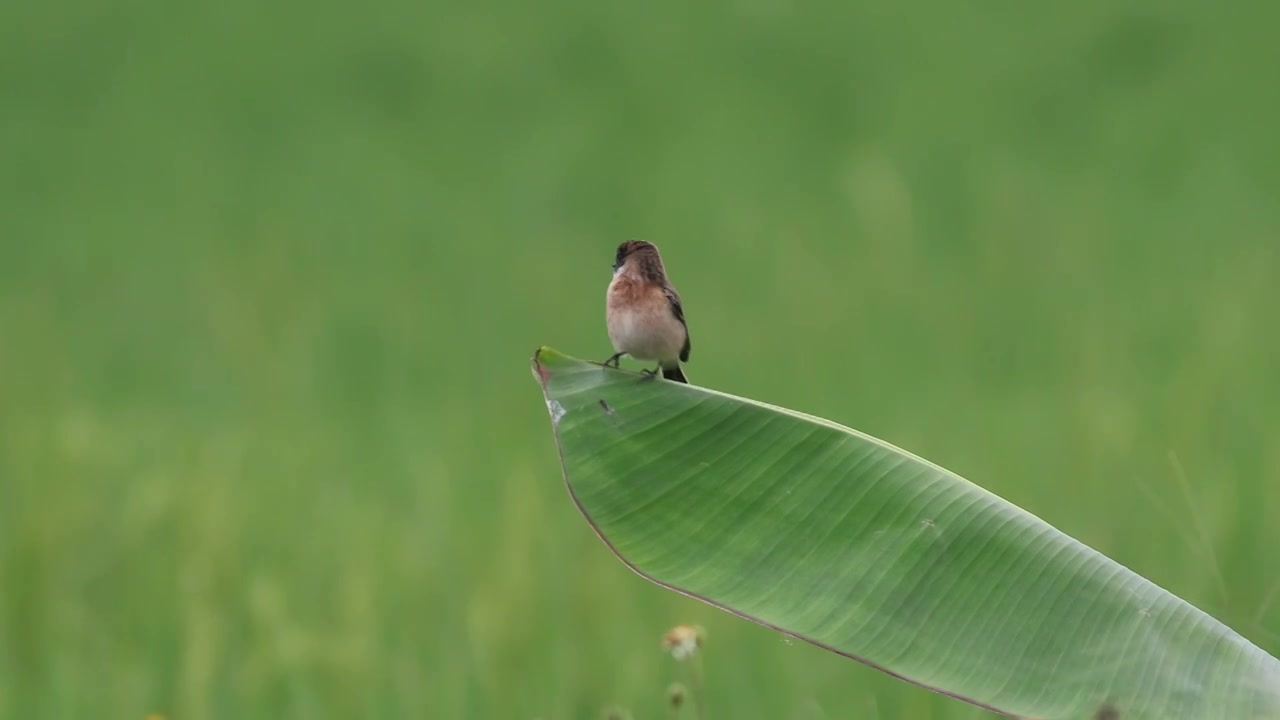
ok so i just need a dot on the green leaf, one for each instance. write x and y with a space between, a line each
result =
844 541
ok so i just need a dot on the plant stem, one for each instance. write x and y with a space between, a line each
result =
695 684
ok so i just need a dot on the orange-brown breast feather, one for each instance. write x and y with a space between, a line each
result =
625 289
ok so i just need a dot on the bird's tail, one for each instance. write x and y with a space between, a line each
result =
674 373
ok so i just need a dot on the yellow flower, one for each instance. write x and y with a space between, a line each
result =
682 641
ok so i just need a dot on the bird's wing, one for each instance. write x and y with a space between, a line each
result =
673 299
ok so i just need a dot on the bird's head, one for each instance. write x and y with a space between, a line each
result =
633 249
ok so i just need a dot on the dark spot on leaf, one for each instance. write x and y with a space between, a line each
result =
1107 712
605 406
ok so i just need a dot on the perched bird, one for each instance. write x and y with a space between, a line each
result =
643 311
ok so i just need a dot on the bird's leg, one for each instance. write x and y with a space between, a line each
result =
651 374
614 358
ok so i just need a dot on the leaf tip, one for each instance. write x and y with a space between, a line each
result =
538 365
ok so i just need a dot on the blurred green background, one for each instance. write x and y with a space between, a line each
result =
271 275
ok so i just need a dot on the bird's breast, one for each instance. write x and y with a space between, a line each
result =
641 322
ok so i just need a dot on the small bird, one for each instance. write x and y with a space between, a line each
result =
643 311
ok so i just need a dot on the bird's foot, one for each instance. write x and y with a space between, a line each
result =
613 360
651 374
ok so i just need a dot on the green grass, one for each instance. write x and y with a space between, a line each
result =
270 276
